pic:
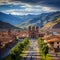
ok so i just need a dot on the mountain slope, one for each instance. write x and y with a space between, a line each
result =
52 25
9 18
26 20
15 19
41 19
4 25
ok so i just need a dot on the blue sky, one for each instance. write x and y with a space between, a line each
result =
25 7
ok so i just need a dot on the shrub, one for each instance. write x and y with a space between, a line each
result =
43 47
17 50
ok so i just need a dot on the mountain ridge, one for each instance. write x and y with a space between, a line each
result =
5 25
42 19
52 25
27 20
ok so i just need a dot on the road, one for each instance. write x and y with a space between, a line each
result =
32 53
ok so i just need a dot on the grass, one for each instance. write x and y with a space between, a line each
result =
48 57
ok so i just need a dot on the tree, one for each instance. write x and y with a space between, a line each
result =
26 41
17 50
45 49
13 55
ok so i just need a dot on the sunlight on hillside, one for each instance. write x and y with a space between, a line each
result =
58 19
51 24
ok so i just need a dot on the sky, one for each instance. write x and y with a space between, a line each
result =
25 7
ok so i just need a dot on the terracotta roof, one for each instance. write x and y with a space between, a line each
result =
54 40
51 36
47 36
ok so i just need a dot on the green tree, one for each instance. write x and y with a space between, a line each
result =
45 49
17 50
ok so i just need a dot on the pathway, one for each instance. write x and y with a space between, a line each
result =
32 53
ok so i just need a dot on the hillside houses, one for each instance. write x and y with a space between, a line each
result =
6 38
53 41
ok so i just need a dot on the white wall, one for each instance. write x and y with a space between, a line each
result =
55 45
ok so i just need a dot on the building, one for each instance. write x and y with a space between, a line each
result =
33 31
6 39
23 34
53 41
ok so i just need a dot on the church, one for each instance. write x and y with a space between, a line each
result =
33 31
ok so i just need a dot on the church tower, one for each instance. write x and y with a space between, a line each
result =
30 31
33 31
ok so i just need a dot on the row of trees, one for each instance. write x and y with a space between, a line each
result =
18 49
43 47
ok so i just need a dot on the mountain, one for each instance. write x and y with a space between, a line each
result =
26 20
41 19
15 19
56 26
52 25
9 18
4 25
25 17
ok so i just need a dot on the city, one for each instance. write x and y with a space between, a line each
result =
29 30
9 38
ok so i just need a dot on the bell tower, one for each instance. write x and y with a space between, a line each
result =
30 31
37 31
33 31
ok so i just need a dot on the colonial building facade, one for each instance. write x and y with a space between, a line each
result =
33 31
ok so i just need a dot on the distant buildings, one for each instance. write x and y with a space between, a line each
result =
7 38
23 34
53 41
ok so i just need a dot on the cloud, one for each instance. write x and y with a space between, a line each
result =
29 7
48 3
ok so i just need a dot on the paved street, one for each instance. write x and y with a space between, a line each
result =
32 53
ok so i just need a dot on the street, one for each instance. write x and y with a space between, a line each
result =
32 53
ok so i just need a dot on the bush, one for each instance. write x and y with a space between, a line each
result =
17 50
26 41
43 47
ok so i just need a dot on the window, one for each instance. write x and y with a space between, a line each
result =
57 46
